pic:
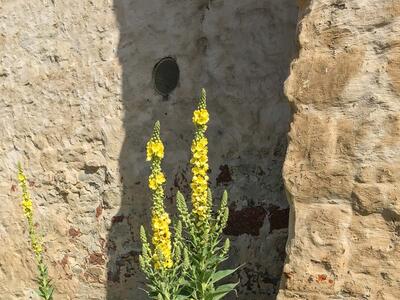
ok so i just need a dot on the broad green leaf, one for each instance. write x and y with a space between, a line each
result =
222 274
223 290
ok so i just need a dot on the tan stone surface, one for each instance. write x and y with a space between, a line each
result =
343 162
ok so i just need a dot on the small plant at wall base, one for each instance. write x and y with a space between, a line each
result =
45 288
188 267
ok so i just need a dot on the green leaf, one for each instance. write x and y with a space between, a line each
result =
51 293
222 274
215 260
223 290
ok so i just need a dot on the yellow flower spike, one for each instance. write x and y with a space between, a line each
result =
27 208
161 239
155 147
45 287
199 161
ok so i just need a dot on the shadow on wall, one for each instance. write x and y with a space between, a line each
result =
240 52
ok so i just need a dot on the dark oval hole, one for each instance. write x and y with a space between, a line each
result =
166 76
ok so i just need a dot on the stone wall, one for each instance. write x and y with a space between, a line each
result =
342 170
61 116
77 106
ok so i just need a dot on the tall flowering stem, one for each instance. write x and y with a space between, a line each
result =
160 263
199 163
203 227
45 287
160 219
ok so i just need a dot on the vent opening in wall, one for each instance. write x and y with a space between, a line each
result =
166 76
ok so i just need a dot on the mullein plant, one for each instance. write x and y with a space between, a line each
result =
188 266
45 288
203 227
162 260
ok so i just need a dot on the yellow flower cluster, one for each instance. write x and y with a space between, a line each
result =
200 116
155 148
199 183
162 258
161 241
26 200
199 161
156 180
27 208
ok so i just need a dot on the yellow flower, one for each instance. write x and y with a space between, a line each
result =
200 116
21 178
199 171
168 263
201 209
200 144
156 149
156 180
200 181
27 208
37 248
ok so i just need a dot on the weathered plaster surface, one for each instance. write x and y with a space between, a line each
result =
240 51
77 106
342 170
